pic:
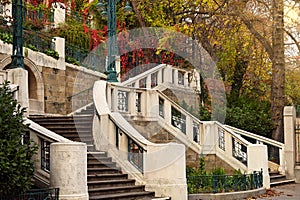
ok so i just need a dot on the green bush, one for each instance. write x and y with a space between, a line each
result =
6 38
250 114
52 53
16 165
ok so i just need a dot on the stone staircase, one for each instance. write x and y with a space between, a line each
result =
105 179
278 179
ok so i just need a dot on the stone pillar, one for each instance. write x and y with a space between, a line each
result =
60 48
165 170
258 160
19 76
159 76
118 68
186 79
168 74
148 81
59 13
68 170
289 115
175 81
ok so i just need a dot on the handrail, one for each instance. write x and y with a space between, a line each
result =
241 139
45 133
78 93
179 107
142 75
257 137
132 133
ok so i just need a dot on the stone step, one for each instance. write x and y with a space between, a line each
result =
282 182
114 190
96 154
279 179
97 164
70 126
111 183
104 177
92 159
71 131
104 170
143 195
45 119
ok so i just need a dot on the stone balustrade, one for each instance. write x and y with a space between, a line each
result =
165 74
55 157
203 137
161 167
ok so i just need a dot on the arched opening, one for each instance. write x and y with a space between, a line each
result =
32 84
35 85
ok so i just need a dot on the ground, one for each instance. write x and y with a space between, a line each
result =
289 192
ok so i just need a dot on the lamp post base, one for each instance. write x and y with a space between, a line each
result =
111 76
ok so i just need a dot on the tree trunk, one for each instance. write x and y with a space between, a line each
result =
278 71
138 13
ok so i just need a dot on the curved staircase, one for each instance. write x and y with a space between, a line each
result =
105 179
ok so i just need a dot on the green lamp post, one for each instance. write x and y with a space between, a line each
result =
17 53
108 9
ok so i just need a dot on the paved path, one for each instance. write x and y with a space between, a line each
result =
289 192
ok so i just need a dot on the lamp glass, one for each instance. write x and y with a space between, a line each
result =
127 8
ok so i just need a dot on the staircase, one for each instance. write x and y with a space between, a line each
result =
105 180
278 179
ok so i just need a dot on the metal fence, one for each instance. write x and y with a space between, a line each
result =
224 183
83 57
38 41
36 194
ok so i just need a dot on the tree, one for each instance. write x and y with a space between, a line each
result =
272 39
16 164
209 20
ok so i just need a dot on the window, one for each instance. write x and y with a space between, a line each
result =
45 155
122 101
161 107
138 102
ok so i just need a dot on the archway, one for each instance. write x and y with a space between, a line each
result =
35 84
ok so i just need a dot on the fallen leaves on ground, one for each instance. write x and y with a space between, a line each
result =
268 193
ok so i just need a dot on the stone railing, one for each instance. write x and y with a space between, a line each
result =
44 138
202 137
275 146
161 167
165 74
54 154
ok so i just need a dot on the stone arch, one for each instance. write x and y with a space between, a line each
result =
35 84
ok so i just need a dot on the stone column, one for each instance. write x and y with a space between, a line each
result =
68 170
60 48
118 67
258 160
19 77
168 74
289 114
59 13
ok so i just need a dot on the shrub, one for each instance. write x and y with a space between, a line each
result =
250 114
16 165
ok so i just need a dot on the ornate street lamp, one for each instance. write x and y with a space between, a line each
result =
109 8
17 53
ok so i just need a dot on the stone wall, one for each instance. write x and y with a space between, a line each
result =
212 162
67 90
188 97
